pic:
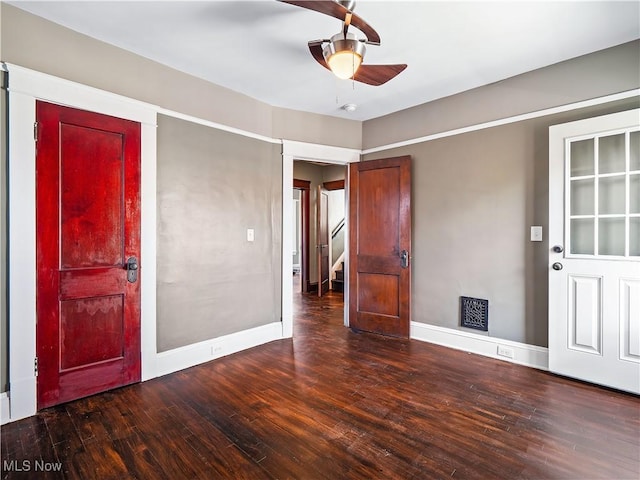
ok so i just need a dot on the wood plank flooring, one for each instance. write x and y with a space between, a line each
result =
332 404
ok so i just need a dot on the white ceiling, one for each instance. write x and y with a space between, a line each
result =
259 48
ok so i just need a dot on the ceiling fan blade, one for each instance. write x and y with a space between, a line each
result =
372 36
378 74
315 47
335 10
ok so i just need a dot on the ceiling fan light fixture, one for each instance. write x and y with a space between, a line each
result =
344 55
344 64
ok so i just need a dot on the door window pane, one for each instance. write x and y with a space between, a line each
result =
611 236
611 154
634 193
634 237
582 159
582 197
611 195
634 150
603 201
582 236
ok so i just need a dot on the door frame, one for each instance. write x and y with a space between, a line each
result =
319 221
305 192
333 186
292 150
25 87
305 209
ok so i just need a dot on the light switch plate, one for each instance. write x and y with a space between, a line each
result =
250 235
536 234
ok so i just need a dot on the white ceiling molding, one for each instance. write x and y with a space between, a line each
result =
505 121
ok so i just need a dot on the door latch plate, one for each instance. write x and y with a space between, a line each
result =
132 269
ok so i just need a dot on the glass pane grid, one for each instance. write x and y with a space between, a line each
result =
603 195
613 175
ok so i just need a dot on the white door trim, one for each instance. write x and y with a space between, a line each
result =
25 87
291 151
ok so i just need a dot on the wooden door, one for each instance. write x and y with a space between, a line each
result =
322 240
594 256
380 246
88 240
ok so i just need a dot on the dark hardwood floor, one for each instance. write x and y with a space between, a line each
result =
332 404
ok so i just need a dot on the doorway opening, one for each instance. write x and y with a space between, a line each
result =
319 235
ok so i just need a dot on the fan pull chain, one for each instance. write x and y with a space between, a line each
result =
353 69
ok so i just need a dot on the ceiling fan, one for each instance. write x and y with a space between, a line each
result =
343 53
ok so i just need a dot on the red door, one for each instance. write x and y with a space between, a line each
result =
88 244
380 246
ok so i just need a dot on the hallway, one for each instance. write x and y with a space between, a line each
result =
313 314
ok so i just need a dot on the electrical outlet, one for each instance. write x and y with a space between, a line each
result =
505 351
216 350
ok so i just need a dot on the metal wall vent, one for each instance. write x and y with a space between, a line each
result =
474 313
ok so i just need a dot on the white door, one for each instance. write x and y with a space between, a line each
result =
594 241
323 239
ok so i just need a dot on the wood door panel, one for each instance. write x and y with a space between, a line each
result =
104 317
91 203
83 382
88 224
378 294
380 230
93 281
390 326
388 264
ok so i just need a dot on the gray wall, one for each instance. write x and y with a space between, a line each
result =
213 186
331 173
35 43
608 71
474 197
461 184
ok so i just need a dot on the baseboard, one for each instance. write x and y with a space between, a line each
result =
523 354
4 408
201 352
167 362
